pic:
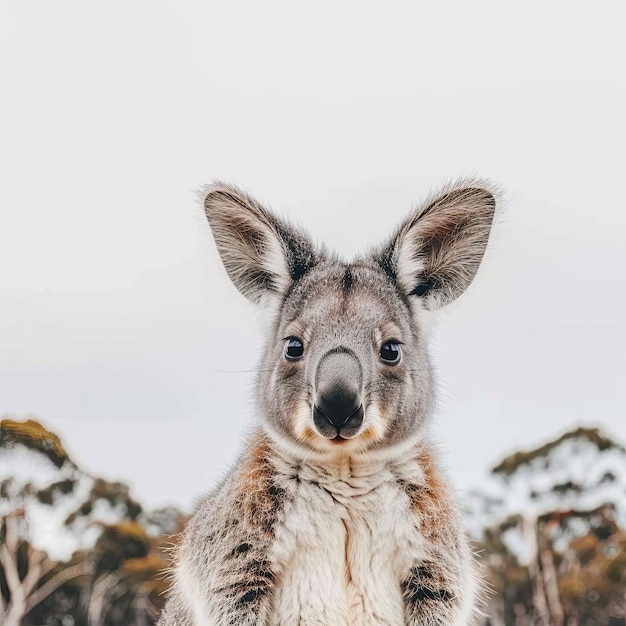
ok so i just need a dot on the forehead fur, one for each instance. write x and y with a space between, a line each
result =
354 291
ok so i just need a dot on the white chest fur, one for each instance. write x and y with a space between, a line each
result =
343 548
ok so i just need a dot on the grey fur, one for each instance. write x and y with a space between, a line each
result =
235 563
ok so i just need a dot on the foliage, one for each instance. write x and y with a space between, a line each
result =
117 581
513 462
35 436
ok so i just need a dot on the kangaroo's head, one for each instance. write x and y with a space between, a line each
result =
346 367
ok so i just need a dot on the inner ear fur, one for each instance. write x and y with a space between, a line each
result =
261 253
436 252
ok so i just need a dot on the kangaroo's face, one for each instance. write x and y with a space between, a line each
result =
346 367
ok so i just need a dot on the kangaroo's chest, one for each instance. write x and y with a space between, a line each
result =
342 551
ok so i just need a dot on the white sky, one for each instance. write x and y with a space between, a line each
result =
118 326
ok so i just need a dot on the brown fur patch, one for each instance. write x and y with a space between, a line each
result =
295 329
369 434
430 500
260 498
390 330
306 434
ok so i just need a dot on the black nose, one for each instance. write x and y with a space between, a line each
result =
338 383
338 404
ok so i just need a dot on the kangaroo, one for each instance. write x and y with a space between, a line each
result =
336 514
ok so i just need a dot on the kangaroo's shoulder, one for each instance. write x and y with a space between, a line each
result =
432 500
249 493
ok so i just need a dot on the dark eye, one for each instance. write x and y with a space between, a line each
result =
390 353
293 349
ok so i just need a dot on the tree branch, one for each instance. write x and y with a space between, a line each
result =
10 529
10 569
35 559
101 587
51 585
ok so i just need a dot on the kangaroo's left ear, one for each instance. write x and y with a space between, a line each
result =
436 252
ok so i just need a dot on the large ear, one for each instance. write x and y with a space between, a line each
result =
262 254
435 254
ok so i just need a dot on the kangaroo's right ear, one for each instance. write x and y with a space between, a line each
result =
262 254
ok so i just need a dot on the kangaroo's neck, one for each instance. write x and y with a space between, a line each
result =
347 475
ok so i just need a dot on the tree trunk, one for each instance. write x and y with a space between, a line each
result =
16 610
540 603
551 585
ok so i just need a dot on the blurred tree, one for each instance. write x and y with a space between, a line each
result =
27 576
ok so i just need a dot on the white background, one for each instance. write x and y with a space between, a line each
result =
118 326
